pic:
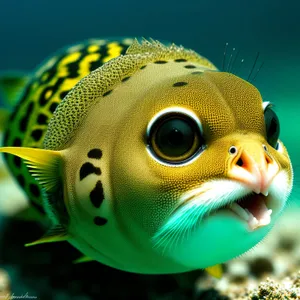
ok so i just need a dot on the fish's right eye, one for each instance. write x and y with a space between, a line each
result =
175 138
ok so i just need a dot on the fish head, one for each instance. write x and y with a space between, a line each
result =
198 168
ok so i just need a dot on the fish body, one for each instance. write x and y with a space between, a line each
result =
47 86
147 158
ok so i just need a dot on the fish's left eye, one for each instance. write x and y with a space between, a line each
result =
175 138
272 127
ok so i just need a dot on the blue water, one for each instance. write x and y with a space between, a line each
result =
31 30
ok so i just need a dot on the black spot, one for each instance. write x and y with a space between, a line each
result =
63 94
143 67
95 153
38 207
125 78
53 107
42 119
197 73
103 53
30 108
73 68
24 121
17 142
51 72
107 93
180 83
95 65
124 48
160 62
99 221
34 189
21 180
37 134
43 100
87 169
190 67
17 161
180 60
97 194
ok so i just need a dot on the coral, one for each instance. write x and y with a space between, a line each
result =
287 289
4 284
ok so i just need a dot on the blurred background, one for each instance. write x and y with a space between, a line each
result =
32 30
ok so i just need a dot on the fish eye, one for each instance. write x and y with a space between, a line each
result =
175 137
272 127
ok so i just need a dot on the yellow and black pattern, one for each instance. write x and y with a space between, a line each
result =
49 85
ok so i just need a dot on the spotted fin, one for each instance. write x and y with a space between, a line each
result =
43 164
11 86
215 271
82 259
55 234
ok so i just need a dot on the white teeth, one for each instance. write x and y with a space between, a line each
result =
266 193
253 223
265 220
240 211
248 212
246 215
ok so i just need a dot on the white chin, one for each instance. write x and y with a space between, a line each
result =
219 238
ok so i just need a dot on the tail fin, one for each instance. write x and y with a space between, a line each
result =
13 200
12 85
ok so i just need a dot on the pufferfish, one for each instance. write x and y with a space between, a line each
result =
146 157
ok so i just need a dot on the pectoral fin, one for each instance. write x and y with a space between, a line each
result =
55 234
43 164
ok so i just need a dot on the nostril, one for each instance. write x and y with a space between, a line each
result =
240 162
268 159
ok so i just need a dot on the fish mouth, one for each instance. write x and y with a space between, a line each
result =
254 209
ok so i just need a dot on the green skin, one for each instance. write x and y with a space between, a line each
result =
29 121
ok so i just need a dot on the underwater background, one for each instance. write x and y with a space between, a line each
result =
32 30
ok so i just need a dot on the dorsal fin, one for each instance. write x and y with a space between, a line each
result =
55 234
43 164
91 88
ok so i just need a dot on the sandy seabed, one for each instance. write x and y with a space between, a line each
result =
269 271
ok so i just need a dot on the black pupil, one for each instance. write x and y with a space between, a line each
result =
272 127
175 137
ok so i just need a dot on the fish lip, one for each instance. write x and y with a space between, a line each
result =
205 200
247 217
